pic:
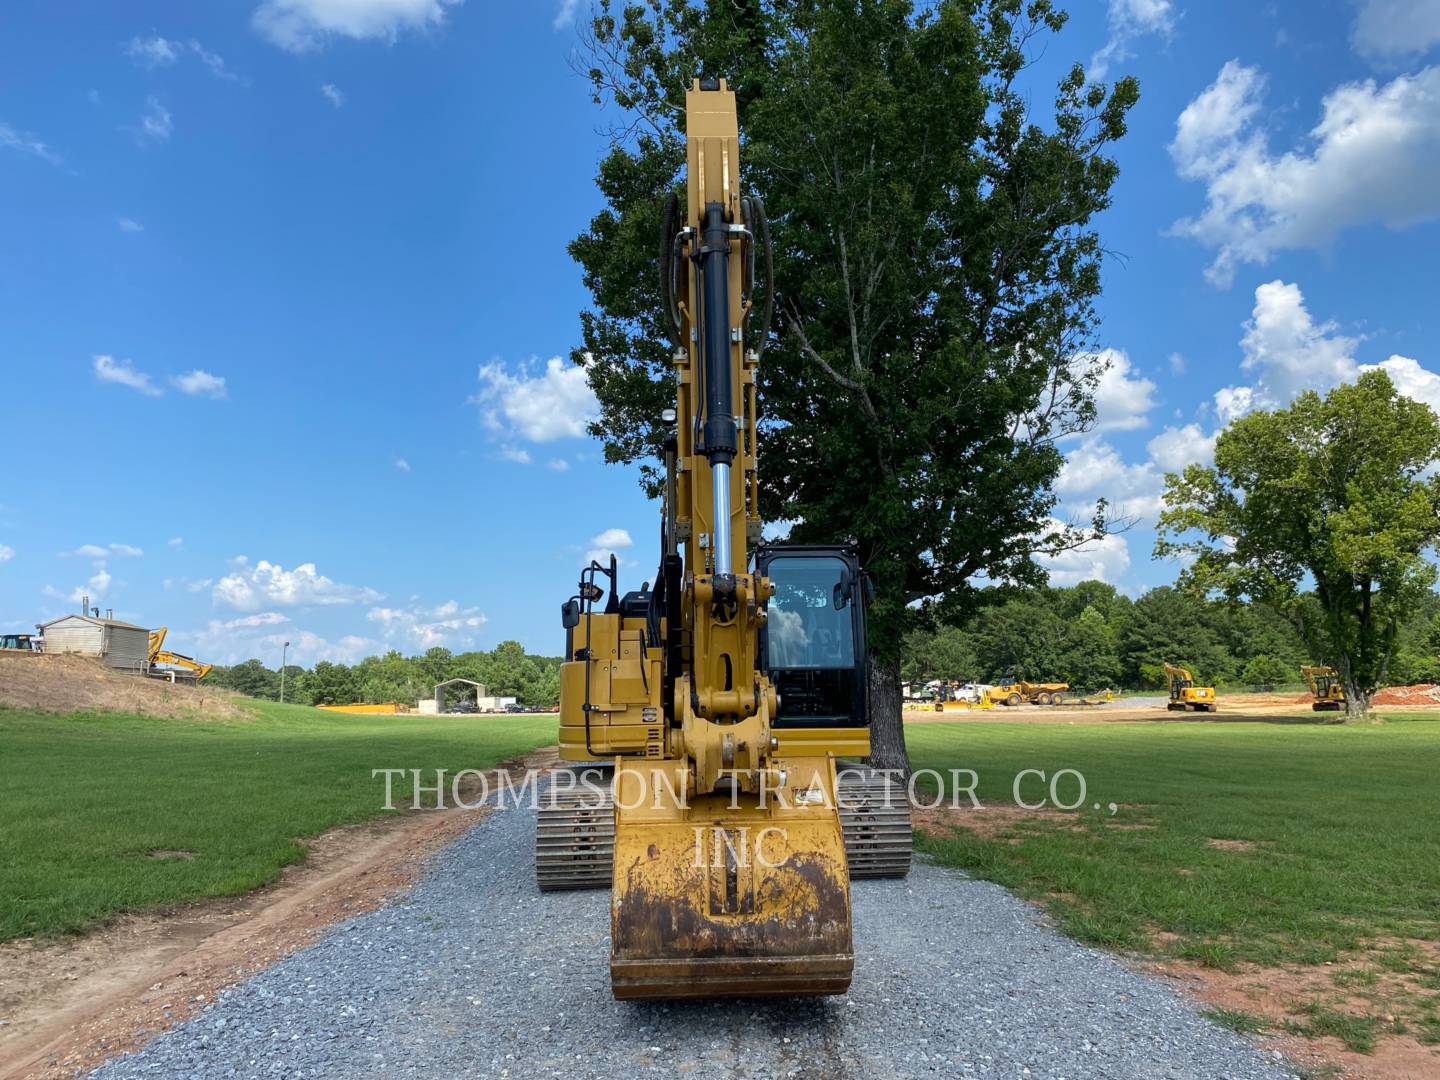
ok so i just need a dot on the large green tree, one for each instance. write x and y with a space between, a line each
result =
934 276
1338 489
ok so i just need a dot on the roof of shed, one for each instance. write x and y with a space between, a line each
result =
95 622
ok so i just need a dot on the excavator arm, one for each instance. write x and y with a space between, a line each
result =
730 874
159 655
723 695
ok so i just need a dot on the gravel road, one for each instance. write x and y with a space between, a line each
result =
475 973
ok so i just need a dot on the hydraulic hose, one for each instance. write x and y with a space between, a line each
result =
720 432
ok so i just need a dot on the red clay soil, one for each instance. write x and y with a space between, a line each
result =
1419 694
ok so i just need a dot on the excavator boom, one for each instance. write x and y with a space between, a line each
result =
723 695
163 662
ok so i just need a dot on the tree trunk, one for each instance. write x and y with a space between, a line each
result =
1357 701
887 728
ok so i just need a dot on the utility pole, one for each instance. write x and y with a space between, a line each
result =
283 650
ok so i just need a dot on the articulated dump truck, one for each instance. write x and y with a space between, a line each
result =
722 701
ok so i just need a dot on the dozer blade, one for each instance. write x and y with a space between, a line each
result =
721 897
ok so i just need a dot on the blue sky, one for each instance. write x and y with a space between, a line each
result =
281 282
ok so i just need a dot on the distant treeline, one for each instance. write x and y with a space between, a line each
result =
506 671
1091 636
1088 635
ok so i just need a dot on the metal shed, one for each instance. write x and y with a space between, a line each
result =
117 644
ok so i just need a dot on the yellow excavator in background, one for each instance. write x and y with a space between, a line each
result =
170 665
1185 694
1325 684
725 696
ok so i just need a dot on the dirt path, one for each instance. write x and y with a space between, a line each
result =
70 1004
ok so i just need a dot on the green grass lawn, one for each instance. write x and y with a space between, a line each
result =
86 798
1341 824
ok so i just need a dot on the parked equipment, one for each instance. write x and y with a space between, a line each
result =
17 643
1325 684
170 665
724 695
1011 691
1185 694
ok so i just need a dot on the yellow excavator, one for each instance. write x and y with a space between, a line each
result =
172 665
1184 694
724 697
1325 684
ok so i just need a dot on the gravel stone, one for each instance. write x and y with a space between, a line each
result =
477 973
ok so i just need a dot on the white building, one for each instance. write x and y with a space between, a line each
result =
117 644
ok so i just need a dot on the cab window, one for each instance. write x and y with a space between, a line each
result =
805 629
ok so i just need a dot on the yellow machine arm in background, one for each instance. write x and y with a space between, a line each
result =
159 655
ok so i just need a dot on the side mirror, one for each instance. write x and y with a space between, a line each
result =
844 590
570 614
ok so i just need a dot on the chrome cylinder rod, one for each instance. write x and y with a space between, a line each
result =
720 509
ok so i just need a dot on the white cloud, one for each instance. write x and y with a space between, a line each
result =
303 25
1177 363
156 123
402 464
517 454
198 586
6 553
156 51
1174 448
123 373
264 618
1131 19
1123 397
249 588
230 642
175 541
1394 30
27 143
1374 158
129 225
333 94
1094 470
95 551
95 587
425 628
565 15
1288 352
607 543
212 61
1410 379
1106 559
554 405
199 383
559 464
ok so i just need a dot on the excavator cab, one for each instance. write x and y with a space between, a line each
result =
812 645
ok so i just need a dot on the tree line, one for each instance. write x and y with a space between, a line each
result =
1093 637
506 671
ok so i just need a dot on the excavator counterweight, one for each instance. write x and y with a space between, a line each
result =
724 697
